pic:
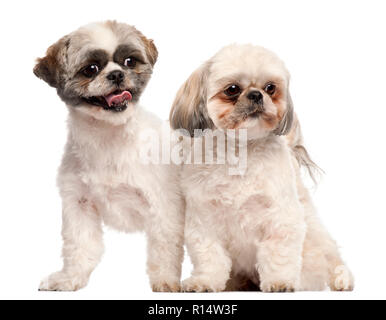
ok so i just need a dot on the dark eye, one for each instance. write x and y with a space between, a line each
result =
270 89
91 70
233 90
130 62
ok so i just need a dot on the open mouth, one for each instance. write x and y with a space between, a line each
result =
116 101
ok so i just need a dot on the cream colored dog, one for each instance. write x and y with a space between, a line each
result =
100 71
260 229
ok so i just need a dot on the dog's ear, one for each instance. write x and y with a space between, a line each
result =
48 68
189 110
285 123
151 50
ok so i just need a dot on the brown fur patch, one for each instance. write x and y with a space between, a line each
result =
221 96
280 105
270 121
189 110
47 68
227 105
85 82
224 113
151 49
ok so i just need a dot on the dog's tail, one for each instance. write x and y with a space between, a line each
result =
295 141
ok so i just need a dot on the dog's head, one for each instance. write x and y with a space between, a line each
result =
101 68
241 87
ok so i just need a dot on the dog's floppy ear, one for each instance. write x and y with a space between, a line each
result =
285 123
48 68
189 110
151 50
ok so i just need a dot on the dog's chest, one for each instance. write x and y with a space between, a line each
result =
122 207
110 174
217 186
262 178
235 206
110 164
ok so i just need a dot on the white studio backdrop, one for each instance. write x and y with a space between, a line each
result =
335 51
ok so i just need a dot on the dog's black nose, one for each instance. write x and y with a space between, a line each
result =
116 77
255 96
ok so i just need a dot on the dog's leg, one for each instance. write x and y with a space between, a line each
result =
322 263
212 264
82 243
165 234
279 253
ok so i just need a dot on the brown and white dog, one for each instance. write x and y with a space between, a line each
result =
259 229
100 72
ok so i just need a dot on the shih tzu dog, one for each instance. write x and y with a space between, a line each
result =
100 72
258 230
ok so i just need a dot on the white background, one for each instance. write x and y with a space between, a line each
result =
335 51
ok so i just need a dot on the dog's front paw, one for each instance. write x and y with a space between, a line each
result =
202 284
166 286
61 281
277 286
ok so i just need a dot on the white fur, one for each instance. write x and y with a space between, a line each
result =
102 37
261 226
102 180
245 223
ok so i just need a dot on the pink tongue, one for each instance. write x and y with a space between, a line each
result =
117 99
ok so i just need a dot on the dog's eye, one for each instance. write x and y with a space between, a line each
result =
90 70
130 62
233 90
270 89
